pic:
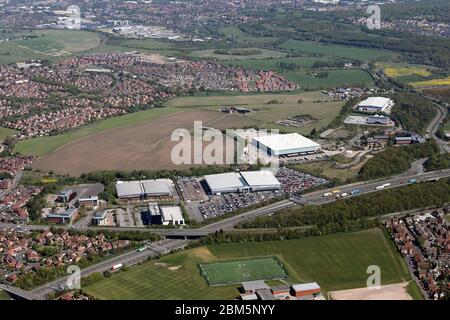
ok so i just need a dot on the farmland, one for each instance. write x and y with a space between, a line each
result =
286 105
334 78
336 50
44 145
54 42
431 83
47 45
395 72
336 262
143 145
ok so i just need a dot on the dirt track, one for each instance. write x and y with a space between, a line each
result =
146 145
388 292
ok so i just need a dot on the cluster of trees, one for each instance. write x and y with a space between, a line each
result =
395 160
288 234
238 52
413 112
437 161
339 214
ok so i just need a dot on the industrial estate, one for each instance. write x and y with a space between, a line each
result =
320 170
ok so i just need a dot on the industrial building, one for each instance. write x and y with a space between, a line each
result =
166 215
226 182
99 218
172 215
246 181
285 144
305 289
90 202
67 216
375 104
139 190
261 180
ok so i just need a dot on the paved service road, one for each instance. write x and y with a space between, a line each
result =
313 198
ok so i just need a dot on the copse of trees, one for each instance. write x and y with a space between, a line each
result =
341 212
288 234
413 112
396 160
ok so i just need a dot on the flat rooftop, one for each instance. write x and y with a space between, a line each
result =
128 188
171 213
260 178
228 180
306 286
286 141
155 187
378 102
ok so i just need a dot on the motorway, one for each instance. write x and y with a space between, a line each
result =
168 245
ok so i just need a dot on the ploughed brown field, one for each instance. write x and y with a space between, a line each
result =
146 145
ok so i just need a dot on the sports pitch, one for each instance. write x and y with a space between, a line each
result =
230 272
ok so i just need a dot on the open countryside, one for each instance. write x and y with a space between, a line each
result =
146 145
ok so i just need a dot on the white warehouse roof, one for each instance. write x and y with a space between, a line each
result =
155 187
223 182
133 189
290 141
128 189
260 178
172 215
375 102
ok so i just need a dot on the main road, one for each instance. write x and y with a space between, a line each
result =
169 245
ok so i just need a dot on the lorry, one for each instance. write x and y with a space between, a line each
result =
141 249
412 181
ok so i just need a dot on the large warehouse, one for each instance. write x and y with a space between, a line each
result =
143 189
242 182
226 182
375 104
261 180
282 144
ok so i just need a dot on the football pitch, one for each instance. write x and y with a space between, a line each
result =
230 272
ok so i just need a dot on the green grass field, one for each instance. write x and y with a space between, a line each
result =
335 78
230 272
336 50
4 296
262 54
336 262
50 41
49 45
44 145
273 64
236 34
268 114
4 132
